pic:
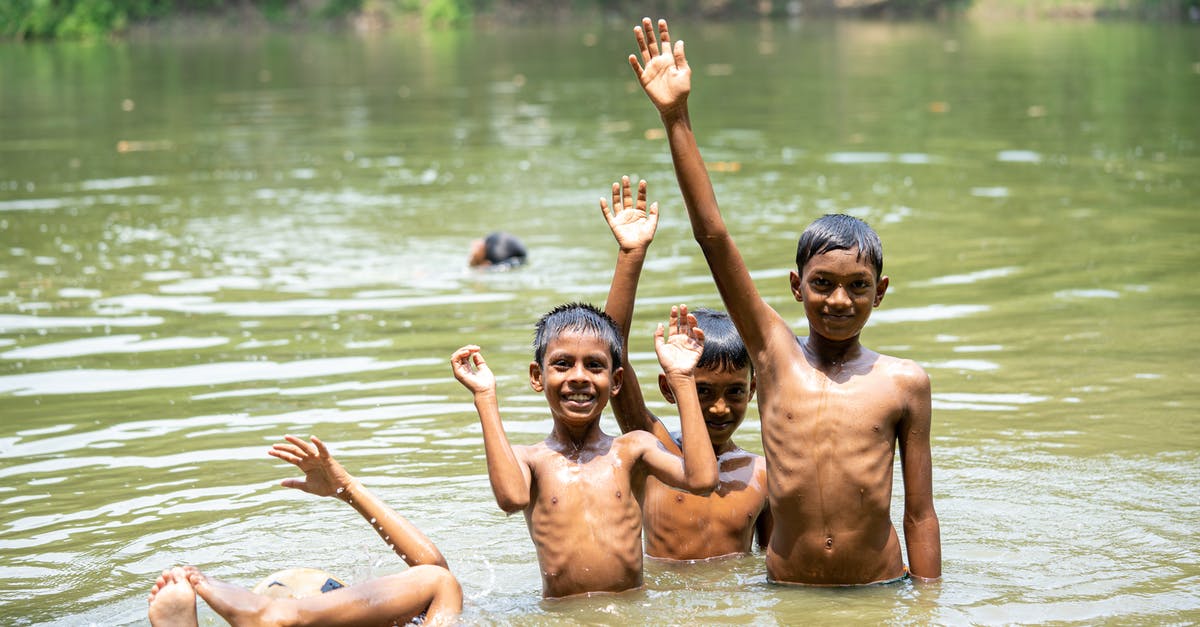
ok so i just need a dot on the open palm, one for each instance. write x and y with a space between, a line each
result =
632 223
662 68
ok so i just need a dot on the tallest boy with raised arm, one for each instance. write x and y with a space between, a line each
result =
832 410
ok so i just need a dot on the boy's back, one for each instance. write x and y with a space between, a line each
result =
832 411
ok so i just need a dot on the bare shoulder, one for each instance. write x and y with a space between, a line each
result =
904 373
636 440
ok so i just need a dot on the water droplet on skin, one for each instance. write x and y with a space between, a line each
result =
372 521
340 490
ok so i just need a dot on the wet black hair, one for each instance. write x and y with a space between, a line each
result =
836 231
723 347
503 249
581 317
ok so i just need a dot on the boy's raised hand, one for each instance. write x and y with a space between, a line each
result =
662 70
679 351
632 223
471 370
323 475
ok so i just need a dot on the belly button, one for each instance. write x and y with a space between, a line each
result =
618 494
828 543
554 500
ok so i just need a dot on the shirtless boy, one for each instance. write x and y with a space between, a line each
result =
832 410
679 525
427 588
581 489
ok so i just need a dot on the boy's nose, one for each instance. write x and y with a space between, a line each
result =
840 297
719 406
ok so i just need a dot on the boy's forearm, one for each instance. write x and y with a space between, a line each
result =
699 461
413 546
629 406
504 471
692 176
923 539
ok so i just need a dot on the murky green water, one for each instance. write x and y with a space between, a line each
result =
206 243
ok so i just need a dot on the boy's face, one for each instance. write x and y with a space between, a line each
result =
578 378
838 291
724 398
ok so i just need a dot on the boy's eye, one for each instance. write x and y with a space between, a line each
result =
736 393
819 282
859 284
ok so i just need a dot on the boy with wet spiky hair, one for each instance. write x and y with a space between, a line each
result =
581 489
832 410
678 525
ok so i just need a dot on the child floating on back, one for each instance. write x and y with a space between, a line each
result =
832 410
680 525
581 489
426 589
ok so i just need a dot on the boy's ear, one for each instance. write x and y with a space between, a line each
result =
880 287
535 376
665 388
794 278
618 378
753 386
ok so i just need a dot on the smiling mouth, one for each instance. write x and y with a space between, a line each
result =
578 398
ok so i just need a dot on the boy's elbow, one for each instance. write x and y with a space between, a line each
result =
511 505
703 485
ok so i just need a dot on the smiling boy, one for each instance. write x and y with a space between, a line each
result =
832 410
581 489
679 525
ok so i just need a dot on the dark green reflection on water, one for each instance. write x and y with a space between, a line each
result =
228 239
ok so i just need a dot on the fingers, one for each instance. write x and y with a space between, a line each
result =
680 57
646 42
616 197
626 193
664 35
321 449
641 196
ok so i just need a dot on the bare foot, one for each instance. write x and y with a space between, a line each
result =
173 600
234 603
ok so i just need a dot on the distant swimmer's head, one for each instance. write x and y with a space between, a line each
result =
498 250
840 232
297 583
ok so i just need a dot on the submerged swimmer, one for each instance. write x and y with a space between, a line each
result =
312 597
498 251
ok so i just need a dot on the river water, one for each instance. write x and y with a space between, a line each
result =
209 241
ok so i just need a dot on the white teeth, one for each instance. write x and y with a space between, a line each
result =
578 397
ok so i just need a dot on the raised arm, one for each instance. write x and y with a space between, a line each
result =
509 475
633 226
922 532
679 349
324 476
666 78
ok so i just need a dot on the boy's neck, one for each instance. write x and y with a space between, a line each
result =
576 437
827 353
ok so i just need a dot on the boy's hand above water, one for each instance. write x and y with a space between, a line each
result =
679 346
662 71
323 475
472 371
632 223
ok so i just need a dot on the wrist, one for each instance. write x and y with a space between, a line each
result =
348 491
679 377
678 111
